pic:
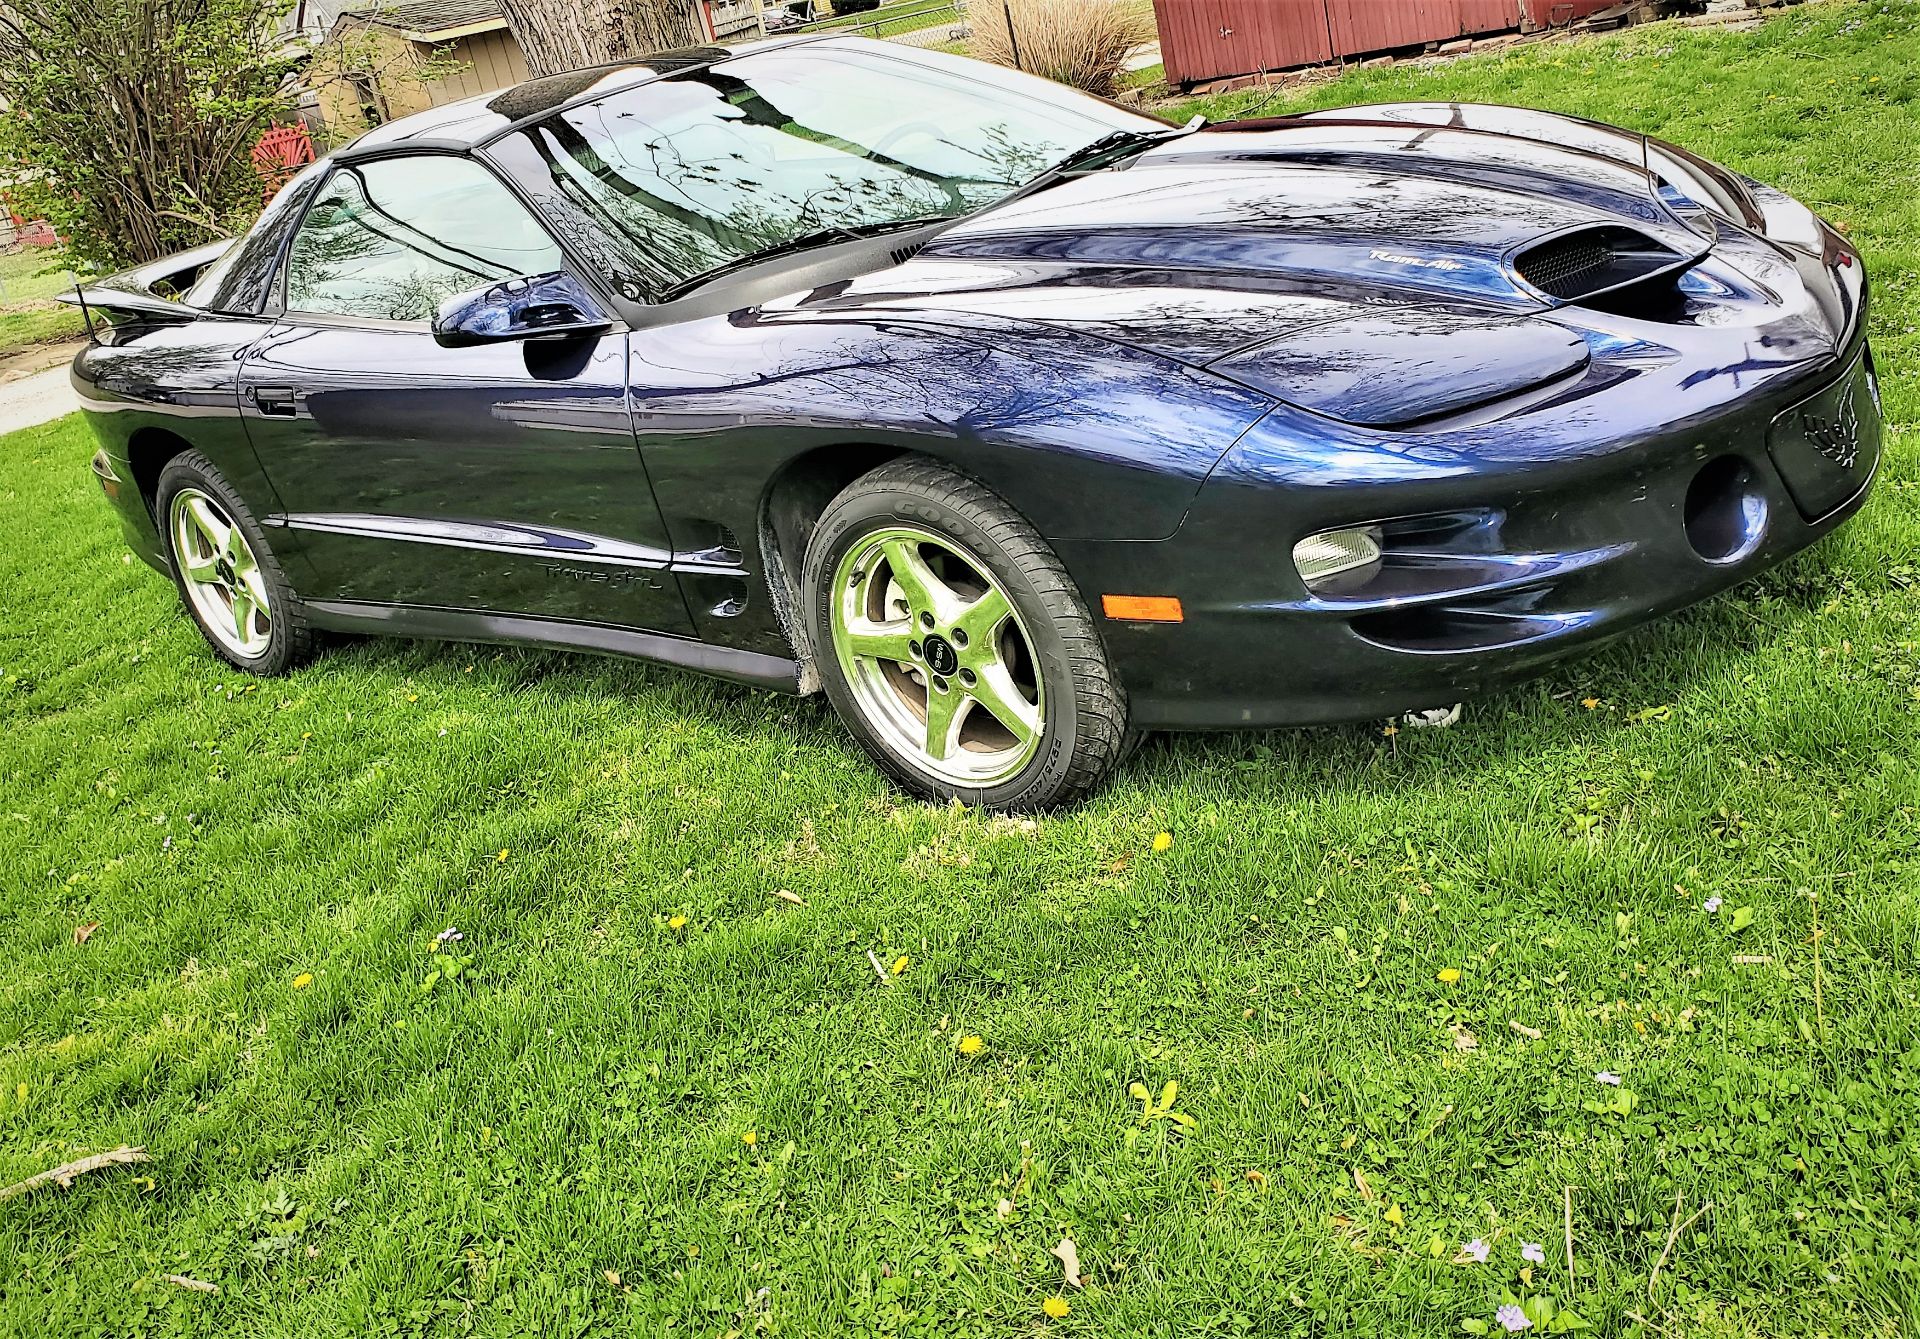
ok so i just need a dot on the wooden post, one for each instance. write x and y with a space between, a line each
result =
1013 38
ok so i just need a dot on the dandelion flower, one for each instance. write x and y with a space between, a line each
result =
1477 1249
971 1046
302 981
1531 1252
1447 976
1162 841
502 857
900 964
749 1138
676 922
1607 1077
1513 1319
1056 1307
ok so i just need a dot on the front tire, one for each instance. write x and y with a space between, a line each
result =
233 587
954 645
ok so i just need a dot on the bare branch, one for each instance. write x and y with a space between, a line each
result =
64 1176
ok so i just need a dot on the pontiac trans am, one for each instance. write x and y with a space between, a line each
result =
1016 421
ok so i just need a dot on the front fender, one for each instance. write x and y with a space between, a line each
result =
1089 440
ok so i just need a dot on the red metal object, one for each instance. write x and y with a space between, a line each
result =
1213 39
26 231
280 153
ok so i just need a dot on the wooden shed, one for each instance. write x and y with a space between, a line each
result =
369 69
1213 39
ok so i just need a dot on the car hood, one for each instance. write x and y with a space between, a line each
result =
1395 241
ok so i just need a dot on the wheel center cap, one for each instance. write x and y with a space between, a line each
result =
942 659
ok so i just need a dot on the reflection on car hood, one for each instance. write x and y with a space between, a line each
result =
1219 240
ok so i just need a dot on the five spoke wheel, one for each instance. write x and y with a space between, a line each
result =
937 656
221 574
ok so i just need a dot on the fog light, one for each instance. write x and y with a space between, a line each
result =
1336 560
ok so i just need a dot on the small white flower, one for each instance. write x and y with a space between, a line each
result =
448 936
1607 1077
1530 1252
1513 1319
1478 1249
1711 905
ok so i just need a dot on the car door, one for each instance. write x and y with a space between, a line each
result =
498 477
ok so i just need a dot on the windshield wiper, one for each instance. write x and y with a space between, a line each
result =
806 241
1108 150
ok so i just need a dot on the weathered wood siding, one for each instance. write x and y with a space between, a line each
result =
1211 39
492 60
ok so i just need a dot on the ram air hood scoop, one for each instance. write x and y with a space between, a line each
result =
1364 229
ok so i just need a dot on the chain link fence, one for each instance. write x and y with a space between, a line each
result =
936 23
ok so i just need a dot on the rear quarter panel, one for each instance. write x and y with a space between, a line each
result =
174 381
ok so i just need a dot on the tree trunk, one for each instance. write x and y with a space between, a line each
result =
558 35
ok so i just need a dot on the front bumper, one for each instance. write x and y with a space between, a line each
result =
1490 575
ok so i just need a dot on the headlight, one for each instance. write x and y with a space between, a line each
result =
1338 560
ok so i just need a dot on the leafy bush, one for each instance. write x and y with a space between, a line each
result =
134 142
1077 42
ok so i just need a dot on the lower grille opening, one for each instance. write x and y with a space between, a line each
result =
1469 626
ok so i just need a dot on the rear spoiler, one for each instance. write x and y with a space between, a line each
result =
140 294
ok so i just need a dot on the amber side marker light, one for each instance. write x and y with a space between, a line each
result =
1143 608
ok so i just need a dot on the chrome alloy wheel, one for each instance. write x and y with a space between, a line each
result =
937 658
221 575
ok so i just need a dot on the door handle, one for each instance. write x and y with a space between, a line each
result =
276 401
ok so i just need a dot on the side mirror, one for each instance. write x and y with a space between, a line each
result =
539 306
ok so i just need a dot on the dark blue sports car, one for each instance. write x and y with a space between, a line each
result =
1015 420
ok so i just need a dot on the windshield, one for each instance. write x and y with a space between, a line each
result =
698 171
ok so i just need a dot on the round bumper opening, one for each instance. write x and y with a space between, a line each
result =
1726 513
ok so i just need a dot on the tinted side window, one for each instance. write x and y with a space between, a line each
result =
391 240
240 280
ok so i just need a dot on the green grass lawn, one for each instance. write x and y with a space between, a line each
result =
41 323
31 273
659 1097
28 314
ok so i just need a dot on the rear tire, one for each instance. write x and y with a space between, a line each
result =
955 646
233 587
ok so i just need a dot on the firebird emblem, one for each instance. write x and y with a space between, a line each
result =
1836 438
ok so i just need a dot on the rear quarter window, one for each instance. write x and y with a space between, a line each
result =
240 280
